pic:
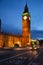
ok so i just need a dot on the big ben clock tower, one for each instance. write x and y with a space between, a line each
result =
26 26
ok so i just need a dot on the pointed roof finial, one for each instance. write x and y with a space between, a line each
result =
26 8
26 1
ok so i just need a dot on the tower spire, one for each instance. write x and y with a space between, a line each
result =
26 8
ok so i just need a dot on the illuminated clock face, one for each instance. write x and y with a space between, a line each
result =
29 18
25 17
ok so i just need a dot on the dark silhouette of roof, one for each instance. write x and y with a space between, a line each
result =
25 9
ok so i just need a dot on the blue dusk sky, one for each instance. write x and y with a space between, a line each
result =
11 14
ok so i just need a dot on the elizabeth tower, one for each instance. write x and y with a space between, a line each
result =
26 26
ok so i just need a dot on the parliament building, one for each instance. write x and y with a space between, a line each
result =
11 40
